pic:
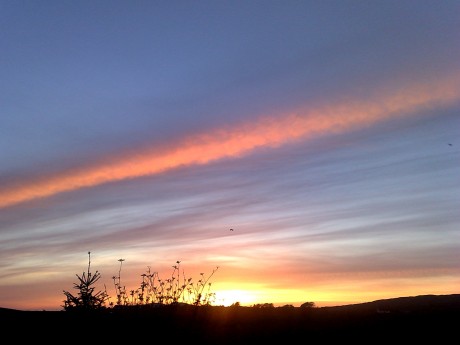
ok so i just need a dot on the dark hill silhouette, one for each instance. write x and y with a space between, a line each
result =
424 318
422 303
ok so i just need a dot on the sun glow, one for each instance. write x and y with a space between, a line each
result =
229 297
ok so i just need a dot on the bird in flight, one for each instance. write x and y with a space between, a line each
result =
231 229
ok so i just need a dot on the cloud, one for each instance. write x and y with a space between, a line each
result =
266 132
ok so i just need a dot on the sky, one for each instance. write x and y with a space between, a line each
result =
325 134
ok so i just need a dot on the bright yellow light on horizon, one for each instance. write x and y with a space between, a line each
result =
249 294
229 297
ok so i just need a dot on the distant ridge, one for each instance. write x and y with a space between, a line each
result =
9 310
406 304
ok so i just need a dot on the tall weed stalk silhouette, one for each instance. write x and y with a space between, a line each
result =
156 291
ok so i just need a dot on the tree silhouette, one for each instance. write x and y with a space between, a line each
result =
308 305
86 299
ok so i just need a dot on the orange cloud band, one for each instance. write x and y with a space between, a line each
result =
239 140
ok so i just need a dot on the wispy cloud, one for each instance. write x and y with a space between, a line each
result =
272 131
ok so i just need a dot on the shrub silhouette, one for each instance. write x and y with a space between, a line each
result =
264 305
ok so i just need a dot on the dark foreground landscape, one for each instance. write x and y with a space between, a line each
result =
427 319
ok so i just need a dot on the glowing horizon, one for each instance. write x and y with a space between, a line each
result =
248 294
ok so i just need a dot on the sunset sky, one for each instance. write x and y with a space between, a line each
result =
326 134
